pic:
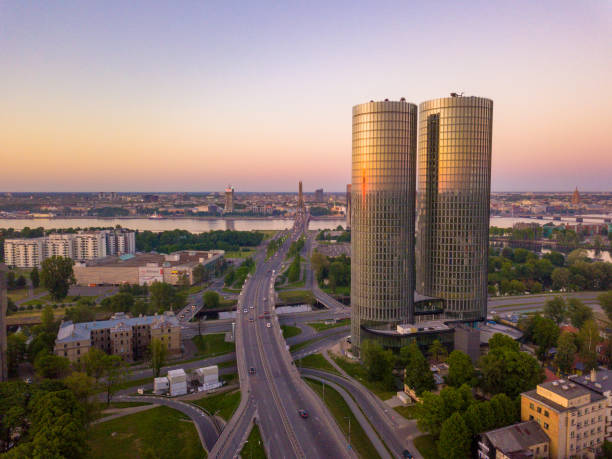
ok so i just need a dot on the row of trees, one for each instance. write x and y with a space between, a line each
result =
172 241
236 277
335 271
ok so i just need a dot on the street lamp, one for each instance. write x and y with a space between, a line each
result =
349 432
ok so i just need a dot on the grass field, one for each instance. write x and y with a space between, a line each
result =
298 346
253 448
22 293
289 331
231 290
340 410
427 446
316 361
158 432
406 411
320 326
240 253
296 296
342 290
225 403
357 371
212 345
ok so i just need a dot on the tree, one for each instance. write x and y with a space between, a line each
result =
578 312
21 281
505 370
35 277
159 353
10 280
605 300
544 332
378 362
588 339
418 375
94 363
119 302
15 351
499 340
114 375
48 319
164 296
80 313
57 276
211 299
82 386
566 352
437 351
455 438
555 309
561 278
460 369
51 366
556 258
434 409
576 256
200 274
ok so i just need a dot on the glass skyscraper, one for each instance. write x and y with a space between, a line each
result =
454 187
382 215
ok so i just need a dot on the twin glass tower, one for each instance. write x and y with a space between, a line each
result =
449 214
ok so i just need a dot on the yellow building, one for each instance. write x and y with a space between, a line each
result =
572 416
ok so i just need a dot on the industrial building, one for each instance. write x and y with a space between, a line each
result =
145 268
128 337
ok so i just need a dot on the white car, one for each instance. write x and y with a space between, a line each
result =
268 325
245 311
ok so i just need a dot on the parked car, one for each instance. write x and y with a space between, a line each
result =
303 413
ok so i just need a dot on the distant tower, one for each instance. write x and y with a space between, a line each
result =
454 188
319 195
382 200
300 196
229 199
576 197
3 305
348 206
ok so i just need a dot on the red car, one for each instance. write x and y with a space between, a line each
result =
303 414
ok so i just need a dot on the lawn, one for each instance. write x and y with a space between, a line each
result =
296 284
253 448
212 345
427 446
407 411
240 253
341 411
341 290
290 331
22 293
296 296
357 371
231 290
303 344
158 432
320 326
316 361
225 403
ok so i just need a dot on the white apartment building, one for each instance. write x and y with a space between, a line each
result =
120 242
24 253
60 245
89 245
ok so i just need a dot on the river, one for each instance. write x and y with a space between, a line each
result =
196 225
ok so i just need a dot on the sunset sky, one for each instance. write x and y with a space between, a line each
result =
193 95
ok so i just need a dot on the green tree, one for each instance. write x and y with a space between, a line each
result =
437 351
51 366
566 352
588 339
555 309
434 409
57 276
499 340
605 300
15 351
35 277
114 374
200 274
556 258
211 299
164 296
83 388
80 313
544 332
504 370
48 320
377 362
561 278
455 438
578 312
480 417
94 363
576 256
159 353
417 375
460 369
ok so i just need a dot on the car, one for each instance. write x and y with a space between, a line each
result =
245 311
303 413
268 325
260 317
407 454
252 371
252 307
193 306
250 319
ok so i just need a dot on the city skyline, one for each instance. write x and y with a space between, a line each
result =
194 98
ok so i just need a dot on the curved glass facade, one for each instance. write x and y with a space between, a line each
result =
454 187
382 214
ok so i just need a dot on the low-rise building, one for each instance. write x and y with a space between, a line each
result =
518 441
121 335
600 381
571 415
177 380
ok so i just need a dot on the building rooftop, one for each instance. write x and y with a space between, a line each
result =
565 389
517 437
69 331
600 381
181 258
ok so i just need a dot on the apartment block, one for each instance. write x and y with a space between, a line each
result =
121 335
120 242
600 381
24 253
89 245
61 245
571 415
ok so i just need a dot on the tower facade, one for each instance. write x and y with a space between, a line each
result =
382 215
454 188
348 206
229 199
300 196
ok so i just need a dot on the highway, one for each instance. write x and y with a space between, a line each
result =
276 388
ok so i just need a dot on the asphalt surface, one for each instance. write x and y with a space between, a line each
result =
276 387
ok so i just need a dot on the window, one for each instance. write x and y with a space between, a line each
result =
546 413
546 426
531 417
531 406
539 410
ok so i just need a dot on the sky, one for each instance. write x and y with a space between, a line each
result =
195 95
